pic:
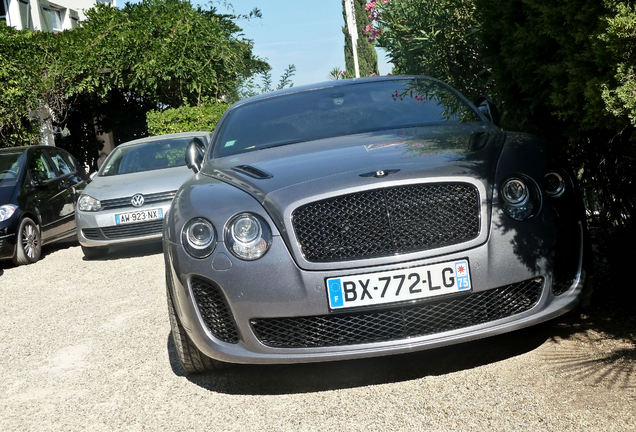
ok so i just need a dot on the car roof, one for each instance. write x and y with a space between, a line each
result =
23 148
331 84
162 137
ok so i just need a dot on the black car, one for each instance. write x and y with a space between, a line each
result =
39 187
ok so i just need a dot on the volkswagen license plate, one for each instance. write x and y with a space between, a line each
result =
399 285
138 216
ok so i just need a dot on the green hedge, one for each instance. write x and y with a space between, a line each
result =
185 119
564 70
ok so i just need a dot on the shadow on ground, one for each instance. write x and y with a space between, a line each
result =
315 377
129 251
46 250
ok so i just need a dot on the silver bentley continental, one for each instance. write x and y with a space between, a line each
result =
362 218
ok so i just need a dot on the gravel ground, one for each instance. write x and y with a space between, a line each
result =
85 346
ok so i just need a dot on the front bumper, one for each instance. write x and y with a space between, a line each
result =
7 245
98 229
280 289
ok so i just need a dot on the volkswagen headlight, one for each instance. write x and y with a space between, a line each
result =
248 236
88 203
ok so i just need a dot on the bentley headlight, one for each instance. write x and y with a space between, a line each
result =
198 237
514 191
248 236
88 203
521 197
6 211
553 184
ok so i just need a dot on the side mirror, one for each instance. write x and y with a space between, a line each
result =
194 155
488 109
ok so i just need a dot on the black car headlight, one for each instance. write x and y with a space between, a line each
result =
521 197
6 211
248 236
88 203
198 237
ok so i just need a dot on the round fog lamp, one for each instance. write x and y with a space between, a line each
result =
514 191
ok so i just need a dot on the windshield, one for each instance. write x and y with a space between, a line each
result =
336 111
147 156
10 168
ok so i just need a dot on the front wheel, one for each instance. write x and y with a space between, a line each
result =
28 247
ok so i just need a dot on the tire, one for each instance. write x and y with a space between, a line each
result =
93 252
28 246
192 360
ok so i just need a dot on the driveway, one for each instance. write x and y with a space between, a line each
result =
86 346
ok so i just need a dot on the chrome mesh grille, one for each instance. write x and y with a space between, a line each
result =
396 323
148 199
214 310
383 222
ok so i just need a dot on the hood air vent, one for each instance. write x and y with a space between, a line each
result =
253 172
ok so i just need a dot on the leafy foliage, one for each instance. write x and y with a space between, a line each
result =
435 38
24 82
262 82
121 63
564 70
367 57
185 118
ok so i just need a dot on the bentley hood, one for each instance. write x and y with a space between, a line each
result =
283 175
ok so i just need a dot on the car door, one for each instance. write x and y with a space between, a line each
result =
66 181
43 191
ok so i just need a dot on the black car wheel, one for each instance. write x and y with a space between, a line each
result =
28 247
192 360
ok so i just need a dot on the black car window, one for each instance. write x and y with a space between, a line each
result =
59 162
70 160
40 167
10 166
340 110
147 156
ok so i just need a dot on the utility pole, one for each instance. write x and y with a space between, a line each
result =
353 31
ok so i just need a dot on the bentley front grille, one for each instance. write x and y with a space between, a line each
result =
387 221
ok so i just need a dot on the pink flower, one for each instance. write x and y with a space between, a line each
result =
370 6
368 29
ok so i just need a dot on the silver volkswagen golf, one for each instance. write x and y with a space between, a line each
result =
363 218
129 196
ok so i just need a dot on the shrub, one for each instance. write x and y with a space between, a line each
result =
185 118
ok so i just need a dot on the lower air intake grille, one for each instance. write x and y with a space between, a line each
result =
124 231
399 323
214 310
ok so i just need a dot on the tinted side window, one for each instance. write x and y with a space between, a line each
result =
60 162
40 168
70 160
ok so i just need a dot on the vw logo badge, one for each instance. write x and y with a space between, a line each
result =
137 200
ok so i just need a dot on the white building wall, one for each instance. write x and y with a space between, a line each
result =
40 14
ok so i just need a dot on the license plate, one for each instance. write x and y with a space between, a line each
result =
399 285
138 216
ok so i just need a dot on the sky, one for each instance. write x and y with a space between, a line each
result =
301 32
